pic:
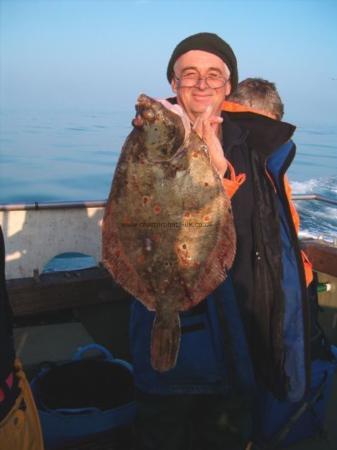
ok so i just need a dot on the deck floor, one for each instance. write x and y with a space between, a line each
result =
39 342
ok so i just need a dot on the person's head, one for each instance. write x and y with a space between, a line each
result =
202 71
259 94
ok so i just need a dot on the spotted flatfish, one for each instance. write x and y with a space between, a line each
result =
168 231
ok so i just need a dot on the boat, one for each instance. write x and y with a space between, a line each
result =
57 311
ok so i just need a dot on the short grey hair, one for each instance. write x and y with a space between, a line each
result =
258 94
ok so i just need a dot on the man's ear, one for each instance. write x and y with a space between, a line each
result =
174 85
228 88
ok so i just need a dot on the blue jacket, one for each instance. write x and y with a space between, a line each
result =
296 308
207 362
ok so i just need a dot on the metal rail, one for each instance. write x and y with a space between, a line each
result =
101 203
52 205
317 197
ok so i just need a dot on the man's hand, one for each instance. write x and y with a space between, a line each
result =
206 126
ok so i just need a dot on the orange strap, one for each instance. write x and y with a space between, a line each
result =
237 107
233 183
294 213
296 219
308 270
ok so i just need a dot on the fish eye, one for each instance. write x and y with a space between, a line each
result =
148 114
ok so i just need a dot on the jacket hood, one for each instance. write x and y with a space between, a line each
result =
264 134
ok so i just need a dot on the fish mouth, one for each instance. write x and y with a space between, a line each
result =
150 110
145 111
144 103
144 100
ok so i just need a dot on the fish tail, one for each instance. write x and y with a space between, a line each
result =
165 341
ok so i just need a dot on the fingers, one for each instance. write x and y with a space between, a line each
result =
215 121
206 122
206 127
201 120
198 127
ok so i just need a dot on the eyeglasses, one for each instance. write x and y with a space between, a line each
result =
192 80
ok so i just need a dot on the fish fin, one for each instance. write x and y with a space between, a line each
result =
165 341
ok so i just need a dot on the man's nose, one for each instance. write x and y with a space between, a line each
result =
202 83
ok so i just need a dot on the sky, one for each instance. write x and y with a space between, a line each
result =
99 55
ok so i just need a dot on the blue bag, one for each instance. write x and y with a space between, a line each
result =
279 424
84 397
205 365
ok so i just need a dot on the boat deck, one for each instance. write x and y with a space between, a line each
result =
56 313
61 334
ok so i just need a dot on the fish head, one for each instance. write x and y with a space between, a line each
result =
160 129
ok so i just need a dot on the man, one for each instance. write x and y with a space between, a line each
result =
208 391
257 96
261 97
19 420
252 105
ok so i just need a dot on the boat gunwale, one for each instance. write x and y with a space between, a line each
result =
102 203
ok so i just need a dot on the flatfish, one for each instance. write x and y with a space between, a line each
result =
168 231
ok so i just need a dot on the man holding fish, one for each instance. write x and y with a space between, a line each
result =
193 373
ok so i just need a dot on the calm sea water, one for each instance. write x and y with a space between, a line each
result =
67 156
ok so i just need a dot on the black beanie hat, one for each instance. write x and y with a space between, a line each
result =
208 42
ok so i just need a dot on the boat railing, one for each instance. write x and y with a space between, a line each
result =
319 198
101 203
37 232
52 205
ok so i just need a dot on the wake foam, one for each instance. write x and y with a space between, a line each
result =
318 219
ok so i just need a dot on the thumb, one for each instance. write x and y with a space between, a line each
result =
215 121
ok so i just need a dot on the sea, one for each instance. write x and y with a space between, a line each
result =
56 156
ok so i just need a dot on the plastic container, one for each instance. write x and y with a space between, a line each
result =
84 396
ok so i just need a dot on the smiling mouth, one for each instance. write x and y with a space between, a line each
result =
201 97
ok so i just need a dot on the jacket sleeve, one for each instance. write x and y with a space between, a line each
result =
296 219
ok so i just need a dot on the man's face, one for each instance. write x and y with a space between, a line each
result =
195 100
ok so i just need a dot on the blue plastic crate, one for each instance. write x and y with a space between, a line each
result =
79 417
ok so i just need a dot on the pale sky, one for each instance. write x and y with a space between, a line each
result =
99 55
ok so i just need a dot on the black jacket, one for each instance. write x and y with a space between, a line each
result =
258 267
